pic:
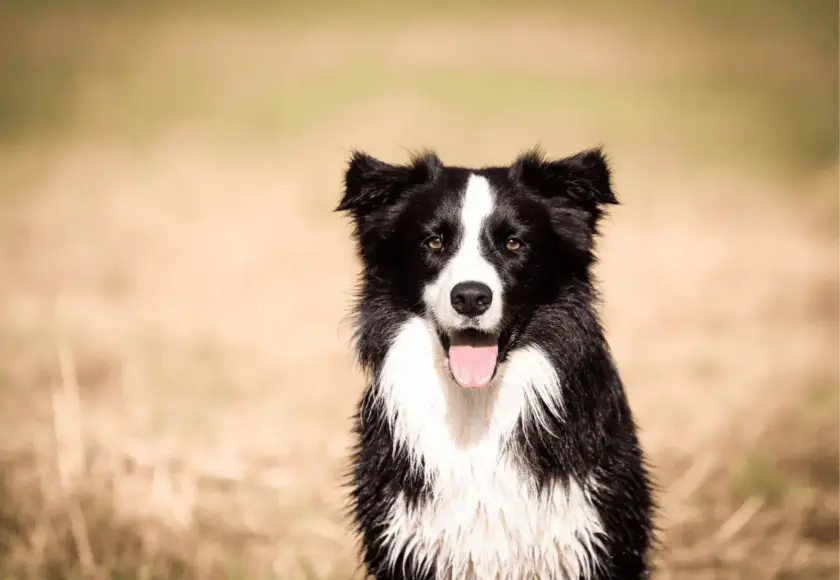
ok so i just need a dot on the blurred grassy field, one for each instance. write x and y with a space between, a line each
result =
175 373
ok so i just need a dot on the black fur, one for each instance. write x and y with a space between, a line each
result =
550 301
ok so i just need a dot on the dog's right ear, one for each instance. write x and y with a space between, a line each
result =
370 184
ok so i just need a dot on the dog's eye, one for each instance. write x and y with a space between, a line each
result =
435 242
513 244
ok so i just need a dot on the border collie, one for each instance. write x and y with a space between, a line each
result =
495 440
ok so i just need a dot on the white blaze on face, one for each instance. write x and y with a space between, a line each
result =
468 265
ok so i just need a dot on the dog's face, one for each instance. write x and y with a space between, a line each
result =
476 252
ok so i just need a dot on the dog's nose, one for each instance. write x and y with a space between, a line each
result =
471 298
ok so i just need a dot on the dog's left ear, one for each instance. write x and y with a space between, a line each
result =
576 188
583 178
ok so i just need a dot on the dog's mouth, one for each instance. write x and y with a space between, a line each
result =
473 357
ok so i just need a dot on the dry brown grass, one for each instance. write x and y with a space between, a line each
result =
773 513
175 371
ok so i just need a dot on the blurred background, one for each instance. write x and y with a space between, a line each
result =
176 379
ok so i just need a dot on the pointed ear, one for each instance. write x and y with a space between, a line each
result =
575 189
582 179
370 184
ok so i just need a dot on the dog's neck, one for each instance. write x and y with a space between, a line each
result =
438 421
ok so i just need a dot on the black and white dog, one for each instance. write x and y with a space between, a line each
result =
495 439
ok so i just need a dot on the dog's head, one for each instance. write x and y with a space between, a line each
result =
475 251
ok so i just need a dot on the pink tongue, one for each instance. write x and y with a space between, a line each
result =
473 366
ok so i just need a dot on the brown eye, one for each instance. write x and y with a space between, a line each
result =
513 244
435 243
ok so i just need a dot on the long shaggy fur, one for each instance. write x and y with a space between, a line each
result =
538 473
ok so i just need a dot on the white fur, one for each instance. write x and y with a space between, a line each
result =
484 520
468 265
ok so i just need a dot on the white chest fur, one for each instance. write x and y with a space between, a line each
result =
483 520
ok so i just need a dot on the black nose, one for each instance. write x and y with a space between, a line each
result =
471 298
